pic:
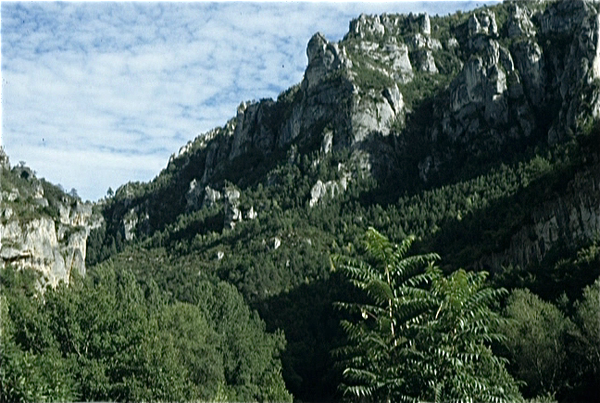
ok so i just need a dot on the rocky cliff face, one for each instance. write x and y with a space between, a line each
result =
410 95
536 76
563 220
46 232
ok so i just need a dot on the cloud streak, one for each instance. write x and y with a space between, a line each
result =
96 94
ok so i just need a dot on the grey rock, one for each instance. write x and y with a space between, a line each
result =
529 61
452 43
251 214
563 220
423 60
370 114
328 190
481 83
563 16
327 143
482 22
211 196
4 160
136 221
251 129
36 245
233 214
193 195
129 224
519 23
397 56
394 98
425 24
366 25
419 41
323 58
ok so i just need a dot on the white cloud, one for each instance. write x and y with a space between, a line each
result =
96 94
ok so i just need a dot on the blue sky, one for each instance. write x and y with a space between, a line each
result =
98 94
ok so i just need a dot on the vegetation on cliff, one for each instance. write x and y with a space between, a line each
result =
222 264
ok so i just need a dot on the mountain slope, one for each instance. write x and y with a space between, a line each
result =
478 132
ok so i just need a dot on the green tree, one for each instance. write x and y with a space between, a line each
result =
454 354
420 335
536 341
375 359
31 366
585 346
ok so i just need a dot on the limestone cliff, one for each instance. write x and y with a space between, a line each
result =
41 227
563 220
535 78
410 98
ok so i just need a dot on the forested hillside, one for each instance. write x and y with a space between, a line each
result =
264 258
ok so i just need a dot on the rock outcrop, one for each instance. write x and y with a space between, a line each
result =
505 90
564 220
42 232
38 245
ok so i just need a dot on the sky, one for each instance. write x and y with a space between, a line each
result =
96 94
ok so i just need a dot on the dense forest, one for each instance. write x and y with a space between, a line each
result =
388 288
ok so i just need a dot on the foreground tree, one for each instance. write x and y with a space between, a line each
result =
111 337
536 342
454 352
585 346
419 335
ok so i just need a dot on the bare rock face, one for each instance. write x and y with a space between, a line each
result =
519 23
193 195
252 129
135 222
323 58
503 94
55 248
424 61
564 16
233 213
4 160
211 196
482 22
33 234
374 112
351 96
529 61
565 219
397 56
326 190
479 91
365 26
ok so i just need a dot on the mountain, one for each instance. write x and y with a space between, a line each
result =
415 102
477 132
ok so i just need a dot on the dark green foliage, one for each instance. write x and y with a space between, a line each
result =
555 353
375 360
31 366
561 272
585 345
108 337
536 340
459 364
420 336
464 220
